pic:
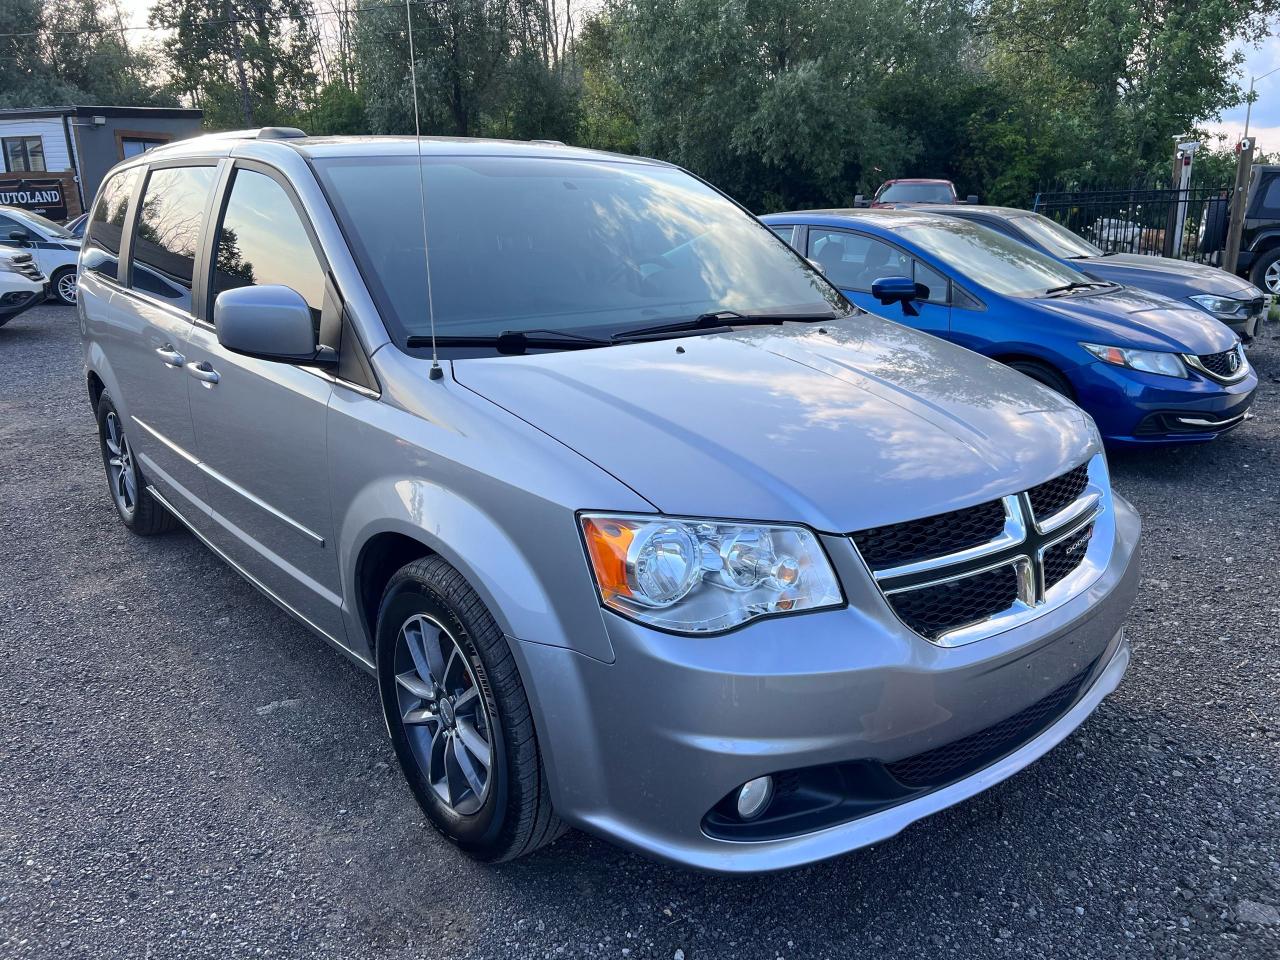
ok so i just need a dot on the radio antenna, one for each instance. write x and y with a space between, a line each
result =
436 371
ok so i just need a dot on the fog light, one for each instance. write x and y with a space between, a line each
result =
754 797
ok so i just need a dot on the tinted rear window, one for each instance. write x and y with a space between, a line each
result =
168 232
106 227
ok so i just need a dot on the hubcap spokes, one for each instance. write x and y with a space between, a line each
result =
1272 279
67 288
124 483
445 717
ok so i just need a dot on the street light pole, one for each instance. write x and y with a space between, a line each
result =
1248 110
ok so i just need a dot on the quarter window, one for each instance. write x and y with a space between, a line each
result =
787 233
262 240
106 225
168 232
853 261
23 154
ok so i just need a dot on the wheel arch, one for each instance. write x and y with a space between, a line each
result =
1014 356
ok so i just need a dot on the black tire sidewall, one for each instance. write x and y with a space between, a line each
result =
105 407
1045 376
408 595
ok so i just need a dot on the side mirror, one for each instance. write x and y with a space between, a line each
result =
972 198
860 201
19 236
271 321
903 290
99 261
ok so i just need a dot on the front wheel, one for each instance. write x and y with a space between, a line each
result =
458 715
63 286
1042 373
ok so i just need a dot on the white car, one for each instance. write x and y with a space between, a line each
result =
54 248
21 284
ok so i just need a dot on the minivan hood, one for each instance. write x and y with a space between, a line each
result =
1181 278
859 423
1129 317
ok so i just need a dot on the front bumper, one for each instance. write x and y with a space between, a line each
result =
640 750
1132 408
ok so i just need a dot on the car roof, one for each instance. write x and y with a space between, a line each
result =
960 209
384 146
882 219
915 180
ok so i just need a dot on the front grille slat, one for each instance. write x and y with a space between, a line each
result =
941 765
1221 364
943 533
1054 495
932 611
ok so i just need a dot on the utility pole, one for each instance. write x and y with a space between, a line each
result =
237 51
1235 226
1248 109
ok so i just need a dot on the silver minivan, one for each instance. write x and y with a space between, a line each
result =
640 525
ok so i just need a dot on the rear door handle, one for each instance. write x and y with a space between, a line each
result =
202 371
171 356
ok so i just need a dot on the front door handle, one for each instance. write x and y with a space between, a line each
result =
171 356
202 371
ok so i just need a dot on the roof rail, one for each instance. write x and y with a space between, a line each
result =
280 133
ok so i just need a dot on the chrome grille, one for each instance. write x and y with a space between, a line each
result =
958 576
1226 366
27 267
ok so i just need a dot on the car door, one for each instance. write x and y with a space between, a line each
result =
145 337
854 261
260 424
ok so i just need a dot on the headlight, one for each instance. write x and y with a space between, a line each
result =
1149 361
1220 305
700 576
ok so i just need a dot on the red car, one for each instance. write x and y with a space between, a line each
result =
907 192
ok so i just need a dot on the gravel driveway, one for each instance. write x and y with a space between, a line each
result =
186 772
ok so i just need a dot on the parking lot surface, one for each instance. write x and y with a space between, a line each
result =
187 772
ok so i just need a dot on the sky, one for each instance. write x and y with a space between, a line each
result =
1264 124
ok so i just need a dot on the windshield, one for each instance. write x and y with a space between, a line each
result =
999 263
45 224
1056 238
917 193
583 246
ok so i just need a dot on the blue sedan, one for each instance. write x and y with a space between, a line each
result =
1148 369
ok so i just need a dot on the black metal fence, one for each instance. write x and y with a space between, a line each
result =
1186 224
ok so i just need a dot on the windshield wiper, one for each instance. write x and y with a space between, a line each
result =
516 341
719 320
1076 285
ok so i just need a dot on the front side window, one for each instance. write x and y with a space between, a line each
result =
854 261
168 232
23 154
1271 199
988 258
787 233
587 246
262 240
933 280
1056 238
106 225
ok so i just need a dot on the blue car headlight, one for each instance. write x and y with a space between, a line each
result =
1148 361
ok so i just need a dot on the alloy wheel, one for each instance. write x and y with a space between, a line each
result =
66 288
1271 279
444 713
120 470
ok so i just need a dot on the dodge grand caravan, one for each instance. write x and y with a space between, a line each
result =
663 538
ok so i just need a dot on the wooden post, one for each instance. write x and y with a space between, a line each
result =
1235 226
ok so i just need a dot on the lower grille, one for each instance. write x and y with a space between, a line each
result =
936 767
1065 555
931 611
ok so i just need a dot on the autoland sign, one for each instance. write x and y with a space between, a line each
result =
46 197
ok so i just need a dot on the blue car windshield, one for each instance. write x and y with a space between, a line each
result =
997 262
1055 238
583 246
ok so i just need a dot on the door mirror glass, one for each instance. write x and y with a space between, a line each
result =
270 321
903 290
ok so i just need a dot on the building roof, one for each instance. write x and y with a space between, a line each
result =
71 110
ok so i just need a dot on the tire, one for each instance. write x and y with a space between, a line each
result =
1217 212
1265 274
138 510
1045 374
477 700
62 286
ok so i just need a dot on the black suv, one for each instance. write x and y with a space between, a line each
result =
1260 242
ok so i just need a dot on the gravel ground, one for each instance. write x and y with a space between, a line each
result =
186 772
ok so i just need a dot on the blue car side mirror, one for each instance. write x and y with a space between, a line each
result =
903 290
